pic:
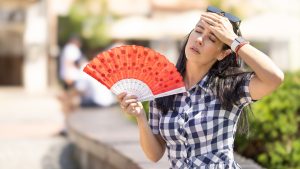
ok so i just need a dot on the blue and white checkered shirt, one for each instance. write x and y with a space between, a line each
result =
199 133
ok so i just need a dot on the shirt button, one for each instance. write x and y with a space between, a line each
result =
181 121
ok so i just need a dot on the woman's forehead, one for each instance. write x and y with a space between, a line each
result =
202 26
199 22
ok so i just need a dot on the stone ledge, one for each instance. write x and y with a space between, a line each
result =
105 139
107 136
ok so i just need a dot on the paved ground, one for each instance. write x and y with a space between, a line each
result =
28 127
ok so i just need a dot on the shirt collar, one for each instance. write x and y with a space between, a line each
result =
203 83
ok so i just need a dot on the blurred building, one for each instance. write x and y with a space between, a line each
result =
163 24
12 19
28 32
275 29
271 26
28 44
280 40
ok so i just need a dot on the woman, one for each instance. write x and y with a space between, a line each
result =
198 127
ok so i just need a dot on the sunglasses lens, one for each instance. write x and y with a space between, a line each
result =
214 9
232 18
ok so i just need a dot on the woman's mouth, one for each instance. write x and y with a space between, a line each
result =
195 50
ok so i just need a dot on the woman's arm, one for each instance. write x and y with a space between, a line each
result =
152 145
267 75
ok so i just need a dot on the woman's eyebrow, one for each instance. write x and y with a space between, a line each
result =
200 26
213 35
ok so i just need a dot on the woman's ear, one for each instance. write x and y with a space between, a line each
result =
223 54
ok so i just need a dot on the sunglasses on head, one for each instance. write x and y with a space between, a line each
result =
230 17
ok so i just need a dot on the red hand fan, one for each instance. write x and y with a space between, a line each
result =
136 70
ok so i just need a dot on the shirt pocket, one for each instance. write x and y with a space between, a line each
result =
169 127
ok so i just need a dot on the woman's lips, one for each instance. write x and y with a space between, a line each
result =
194 49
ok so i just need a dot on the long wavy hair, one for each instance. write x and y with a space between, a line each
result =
225 77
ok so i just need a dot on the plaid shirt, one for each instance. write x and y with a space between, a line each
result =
199 133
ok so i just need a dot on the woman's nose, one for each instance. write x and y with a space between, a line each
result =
199 40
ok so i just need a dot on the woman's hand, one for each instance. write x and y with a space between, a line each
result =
153 145
220 26
130 105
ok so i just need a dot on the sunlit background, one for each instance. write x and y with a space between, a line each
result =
33 32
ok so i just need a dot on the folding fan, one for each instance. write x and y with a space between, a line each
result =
136 70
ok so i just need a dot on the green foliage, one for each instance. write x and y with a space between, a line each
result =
233 9
274 141
216 3
88 19
146 107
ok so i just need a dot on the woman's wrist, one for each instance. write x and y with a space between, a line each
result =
238 43
230 40
141 116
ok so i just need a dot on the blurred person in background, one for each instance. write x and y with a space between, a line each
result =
91 92
68 62
198 127
69 71
87 92
81 90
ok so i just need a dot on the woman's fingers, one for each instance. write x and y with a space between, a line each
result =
219 25
212 16
126 100
208 20
134 109
131 109
121 96
129 104
206 24
130 97
214 19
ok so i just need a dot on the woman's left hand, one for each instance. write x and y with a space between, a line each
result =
220 26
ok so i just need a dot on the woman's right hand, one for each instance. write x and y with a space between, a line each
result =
130 105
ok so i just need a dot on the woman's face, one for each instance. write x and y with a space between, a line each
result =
203 47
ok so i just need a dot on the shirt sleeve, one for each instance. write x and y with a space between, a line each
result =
72 53
154 117
81 83
244 93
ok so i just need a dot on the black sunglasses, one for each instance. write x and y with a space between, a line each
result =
230 17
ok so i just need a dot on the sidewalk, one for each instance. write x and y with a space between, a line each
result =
28 124
28 115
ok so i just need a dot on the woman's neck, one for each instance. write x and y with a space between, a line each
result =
194 73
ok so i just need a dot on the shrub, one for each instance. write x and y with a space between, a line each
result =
274 139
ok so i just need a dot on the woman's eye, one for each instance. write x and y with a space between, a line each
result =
212 39
198 31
